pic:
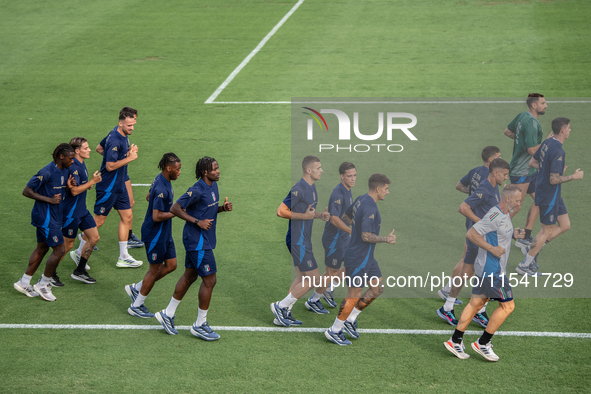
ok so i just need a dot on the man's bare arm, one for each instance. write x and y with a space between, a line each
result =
374 239
509 133
462 188
556 179
338 223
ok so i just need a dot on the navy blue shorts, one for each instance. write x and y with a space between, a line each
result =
52 236
471 252
333 258
107 200
159 252
363 276
498 289
303 258
71 225
202 260
549 213
531 179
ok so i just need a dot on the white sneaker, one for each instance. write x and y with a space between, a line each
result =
129 262
485 351
44 292
76 259
457 349
26 290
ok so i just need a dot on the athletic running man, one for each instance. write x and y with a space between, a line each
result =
199 207
47 188
550 160
493 236
361 268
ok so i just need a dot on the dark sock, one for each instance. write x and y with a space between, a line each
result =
130 234
485 338
527 234
82 265
457 337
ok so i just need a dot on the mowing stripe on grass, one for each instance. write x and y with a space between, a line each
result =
251 55
394 102
292 329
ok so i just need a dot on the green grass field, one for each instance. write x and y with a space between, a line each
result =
68 67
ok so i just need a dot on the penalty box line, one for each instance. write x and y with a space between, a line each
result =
294 329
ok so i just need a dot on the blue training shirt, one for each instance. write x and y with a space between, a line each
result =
483 199
116 147
366 219
75 206
551 157
103 142
48 182
300 197
161 199
200 201
333 238
473 179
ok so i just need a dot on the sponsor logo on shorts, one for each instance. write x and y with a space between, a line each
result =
154 256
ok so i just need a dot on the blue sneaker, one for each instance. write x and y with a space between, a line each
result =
139 311
167 322
316 307
529 270
445 294
449 317
481 318
329 299
204 332
291 319
338 338
281 314
351 329
131 292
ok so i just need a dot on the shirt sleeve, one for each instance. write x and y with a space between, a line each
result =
369 222
466 179
335 204
159 199
536 155
475 199
513 125
287 200
189 198
111 152
75 173
296 195
103 142
38 180
489 223
557 162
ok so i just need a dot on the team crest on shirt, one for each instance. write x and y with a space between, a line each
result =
351 200
102 210
213 196
314 195
309 262
206 267
154 256
54 238
498 200
70 232
62 180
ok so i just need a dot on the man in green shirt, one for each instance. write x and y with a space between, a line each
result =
526 130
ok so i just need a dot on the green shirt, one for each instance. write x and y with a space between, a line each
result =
528 133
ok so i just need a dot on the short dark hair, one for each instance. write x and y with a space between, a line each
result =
377 180
533 98
168 159
204 164
345 166
127 112
509 191
308 160
558 124
77 142
62 149
498 164
489 152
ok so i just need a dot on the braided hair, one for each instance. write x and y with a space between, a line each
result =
204 164
62 149
168 159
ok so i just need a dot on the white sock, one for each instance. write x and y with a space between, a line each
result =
353 315
337 326
288 301
123 250
528 260
448 287
139 300
138 285
483 309
331 286
44 281
171 308
80 247
26 280
201 317
449 304
315 297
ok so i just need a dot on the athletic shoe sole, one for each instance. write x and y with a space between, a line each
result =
123 264
284 322
133 313
203 336
335 341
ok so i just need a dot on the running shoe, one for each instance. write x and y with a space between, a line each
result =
129 262
316 307
351 329
166 321
83 277
338 338
281 314
329 298
26 290
44 292
204 332
457 349
134 242
481 318
449 317
131 291
139 311
55 281
485 351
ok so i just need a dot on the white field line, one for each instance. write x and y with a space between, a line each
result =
393 102
293 329
251 55
141 184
